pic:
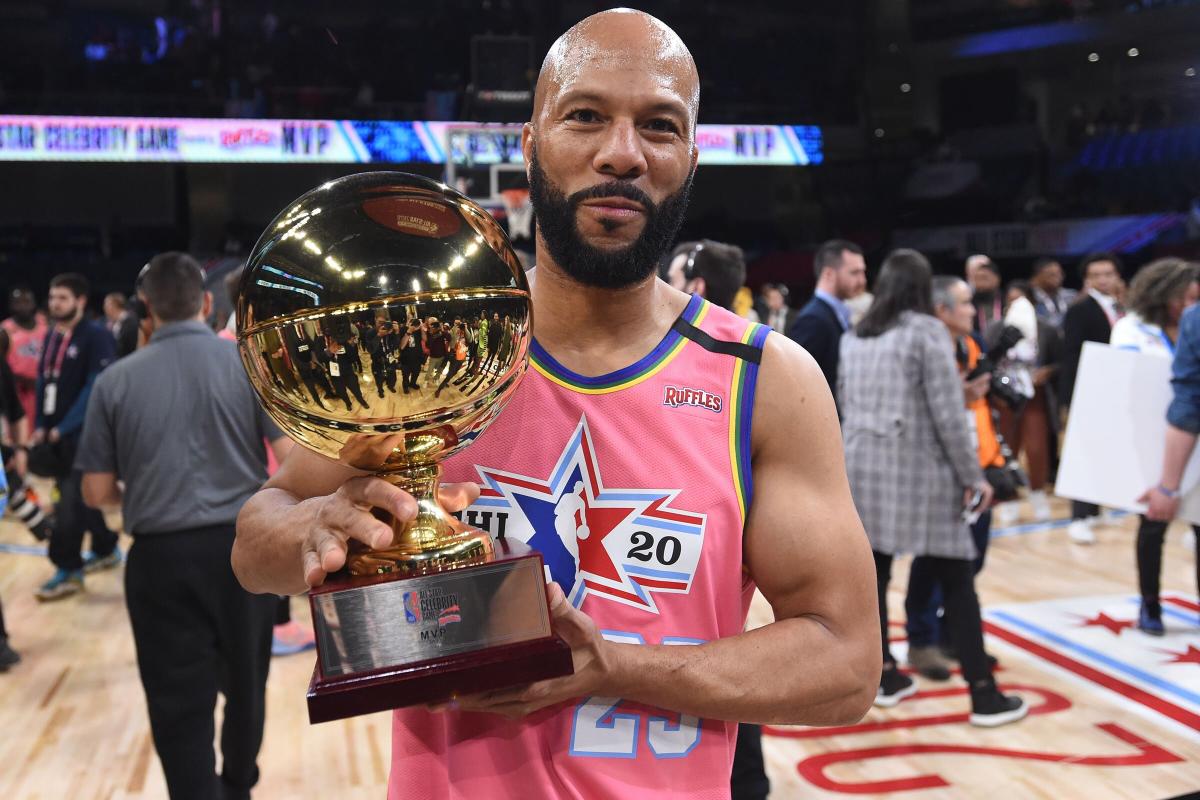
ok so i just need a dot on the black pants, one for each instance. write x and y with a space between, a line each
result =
957 579
410 373
73 519
924 627
197 632
1081 510
1150 537
749 780
3 630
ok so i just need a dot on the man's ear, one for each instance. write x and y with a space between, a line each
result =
697 286
206 305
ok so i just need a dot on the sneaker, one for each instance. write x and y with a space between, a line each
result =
95 563
1150 619
991 708
64 583
894 686
1080 531
1005 514
290 638
1039 503
8 656
929 663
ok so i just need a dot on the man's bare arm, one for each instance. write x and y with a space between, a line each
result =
819 662
293 532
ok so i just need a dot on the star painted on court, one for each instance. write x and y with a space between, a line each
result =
1102 620
1189 656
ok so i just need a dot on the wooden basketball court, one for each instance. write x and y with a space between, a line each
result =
1116 714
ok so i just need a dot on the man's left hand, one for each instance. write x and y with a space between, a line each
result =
1159 507
592 656
54 436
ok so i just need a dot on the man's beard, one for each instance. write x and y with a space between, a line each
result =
604 269
69 316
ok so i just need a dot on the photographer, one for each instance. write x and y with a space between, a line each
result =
1028 422
190 453
926 637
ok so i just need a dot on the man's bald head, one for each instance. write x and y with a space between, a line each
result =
620 38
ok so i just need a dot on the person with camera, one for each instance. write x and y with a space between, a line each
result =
1028 415
75 352
914 468
190 453
1158 297
927 642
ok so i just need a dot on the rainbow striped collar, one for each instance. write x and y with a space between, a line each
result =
635 373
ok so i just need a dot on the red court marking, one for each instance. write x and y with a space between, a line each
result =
1186 604
1151 701
1052 702
813 769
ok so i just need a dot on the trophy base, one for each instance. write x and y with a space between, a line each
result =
396 640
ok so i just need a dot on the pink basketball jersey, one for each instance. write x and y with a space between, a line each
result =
634 487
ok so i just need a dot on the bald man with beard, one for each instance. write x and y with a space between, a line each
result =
722 434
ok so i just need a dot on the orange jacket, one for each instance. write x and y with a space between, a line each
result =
989 445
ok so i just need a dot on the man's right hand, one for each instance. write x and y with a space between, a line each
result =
39 436
327 523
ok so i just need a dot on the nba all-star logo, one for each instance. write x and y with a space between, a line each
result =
626 545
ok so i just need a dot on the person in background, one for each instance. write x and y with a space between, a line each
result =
14 450
928 641
841 274
1088 320
1050 299
1159 295
714 270
971 268
196 631
914 469
1032 428
76 351
115 312
26 330
9 658
778 315
986 294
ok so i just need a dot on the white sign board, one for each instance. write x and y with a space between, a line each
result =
1113 448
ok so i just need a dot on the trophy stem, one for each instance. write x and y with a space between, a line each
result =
433 540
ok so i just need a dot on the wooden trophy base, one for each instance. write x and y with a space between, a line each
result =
391 641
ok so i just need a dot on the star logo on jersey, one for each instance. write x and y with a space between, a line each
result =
624 545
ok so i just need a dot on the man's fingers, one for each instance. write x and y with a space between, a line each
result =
457 496
313 574
370 492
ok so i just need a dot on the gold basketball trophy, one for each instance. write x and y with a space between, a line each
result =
367 321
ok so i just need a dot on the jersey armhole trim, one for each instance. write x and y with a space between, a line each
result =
741 392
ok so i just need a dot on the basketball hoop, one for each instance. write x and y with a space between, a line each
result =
518 212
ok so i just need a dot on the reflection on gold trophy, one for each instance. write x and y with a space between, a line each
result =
384 321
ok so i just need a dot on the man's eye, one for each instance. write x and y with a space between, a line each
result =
664 125
583 115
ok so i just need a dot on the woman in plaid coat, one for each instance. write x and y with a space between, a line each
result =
913 465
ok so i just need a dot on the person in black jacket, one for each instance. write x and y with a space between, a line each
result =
841 274
1090 319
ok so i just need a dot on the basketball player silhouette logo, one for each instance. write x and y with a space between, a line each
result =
570 515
